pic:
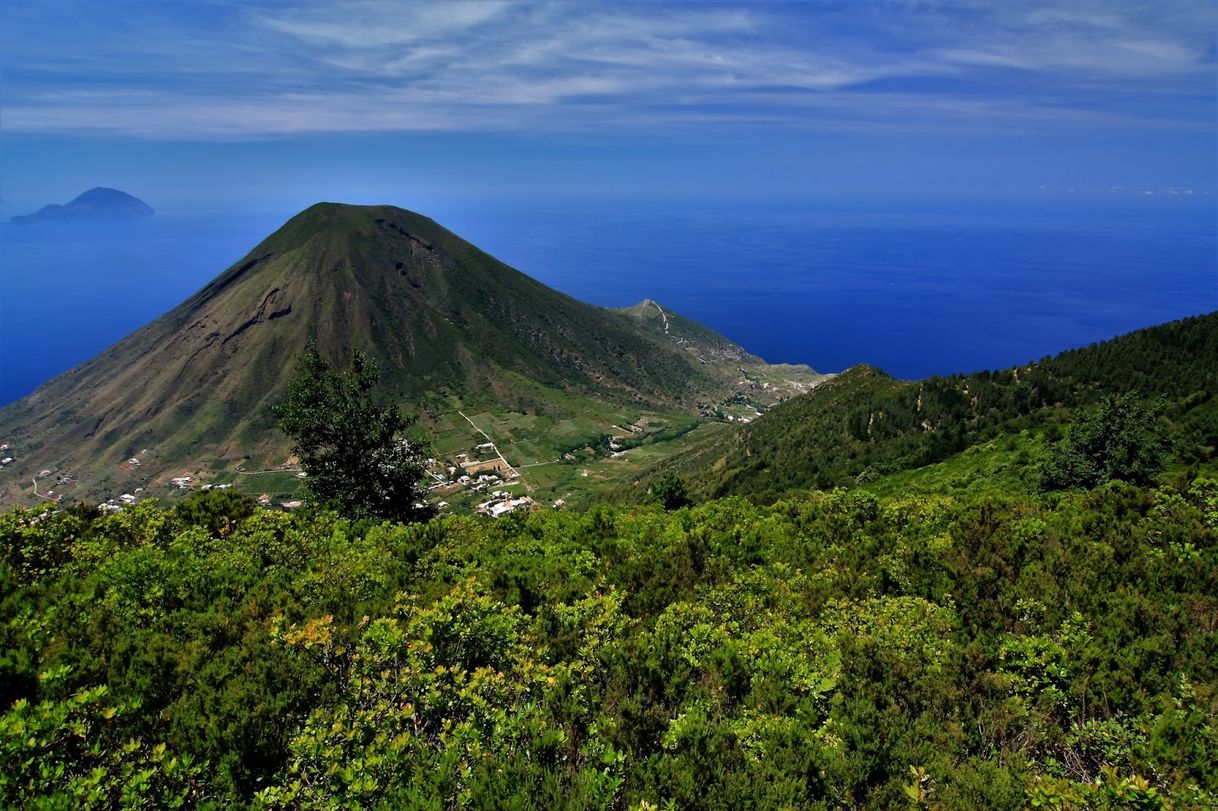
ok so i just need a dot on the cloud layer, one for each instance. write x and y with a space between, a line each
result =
224 71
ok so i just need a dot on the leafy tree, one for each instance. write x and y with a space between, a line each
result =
1116 441
670 492
350 446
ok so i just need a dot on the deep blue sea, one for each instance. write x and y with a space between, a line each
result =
916 289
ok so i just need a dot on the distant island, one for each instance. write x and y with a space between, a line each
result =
94 205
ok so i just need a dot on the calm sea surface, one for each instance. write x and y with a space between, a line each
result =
914 289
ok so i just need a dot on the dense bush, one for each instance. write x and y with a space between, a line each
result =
833 650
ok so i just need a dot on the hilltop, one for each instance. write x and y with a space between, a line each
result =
864 424
97 204
450 326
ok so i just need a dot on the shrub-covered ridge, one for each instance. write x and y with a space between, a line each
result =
863 424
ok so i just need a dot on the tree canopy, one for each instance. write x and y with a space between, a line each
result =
351 447
1118 440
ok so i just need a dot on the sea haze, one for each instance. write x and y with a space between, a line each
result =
914 289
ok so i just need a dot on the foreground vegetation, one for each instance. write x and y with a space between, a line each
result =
835 649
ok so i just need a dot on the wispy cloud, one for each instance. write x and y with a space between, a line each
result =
222 70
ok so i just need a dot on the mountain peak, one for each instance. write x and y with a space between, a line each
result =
97 204
347 221
102 193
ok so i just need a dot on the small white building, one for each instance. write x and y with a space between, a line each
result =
511 505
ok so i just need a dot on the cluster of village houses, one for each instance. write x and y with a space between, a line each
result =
502 503
478 476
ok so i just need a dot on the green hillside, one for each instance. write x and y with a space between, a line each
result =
864 425
446 323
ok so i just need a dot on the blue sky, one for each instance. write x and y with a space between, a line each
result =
203 104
